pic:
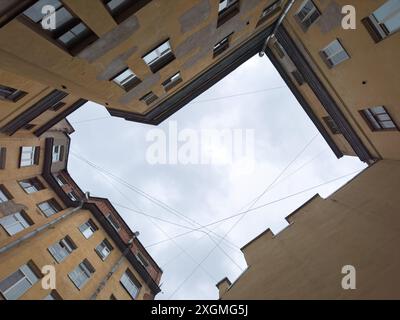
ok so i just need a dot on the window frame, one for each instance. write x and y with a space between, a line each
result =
114 222
34 159
91 225
169 84
327 59
364 115
228 12
378 31
5 194
132 279
85 268
162 60
21 219
105 244
149 98
128 85
57 156
271 10
301 21
14 96
34 183
223 45
54 35
331 124
53 206
126 11
66 244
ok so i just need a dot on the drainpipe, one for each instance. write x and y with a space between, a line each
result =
41 228
278 24
114 268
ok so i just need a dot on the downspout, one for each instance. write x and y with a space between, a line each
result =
278 24
113 269
40 229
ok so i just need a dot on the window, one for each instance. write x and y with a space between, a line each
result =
226 10
16 284
49 208
88 228
62 249
72 195
142 260
127 80
31 185
334 54
384 21
29 126
71 33
130 283
57 106
269 12
104 249
379 119
15 223
113 221
221 46
81 274
58 152
29 156
122 9
149 98
172 82
61 180
4 194
307 14
11 94
331 125
53 295
159 57
3 154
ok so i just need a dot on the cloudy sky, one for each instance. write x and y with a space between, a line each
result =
252 98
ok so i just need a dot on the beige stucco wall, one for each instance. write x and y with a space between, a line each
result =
358 225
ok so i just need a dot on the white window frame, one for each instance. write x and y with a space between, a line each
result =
381 23
88 226
308 15
334 54
115 223
104 249
3 197
19 220
28 156
129 284
56 155
28 275
157 53
50 210
81 270
62 249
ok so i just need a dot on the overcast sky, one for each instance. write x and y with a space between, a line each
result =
207 193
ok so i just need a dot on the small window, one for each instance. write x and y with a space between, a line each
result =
4 194
58 152
29 156
123 9
142 260
61 180
81 274
113 222
227 9
19 282
73 196
331 125
49 208
159 57
384 21
269 12
130 283
88 228
149 98
104 249
71 33
62 249
53 295
172 82
29 126
15 223
31 185
3 155
334 54
11 94
127 80
379 119
307 14
57 106
221 46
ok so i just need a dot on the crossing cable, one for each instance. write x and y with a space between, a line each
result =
263 205
241 217
149 197
159 227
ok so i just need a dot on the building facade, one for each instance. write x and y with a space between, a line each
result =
48 222
356 227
